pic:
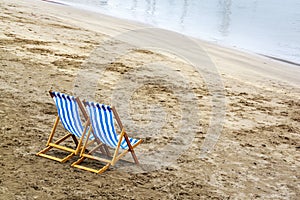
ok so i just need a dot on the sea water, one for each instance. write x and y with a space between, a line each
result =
268 27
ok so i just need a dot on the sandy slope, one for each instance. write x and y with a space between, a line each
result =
161 98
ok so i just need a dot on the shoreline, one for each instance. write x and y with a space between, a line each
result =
282 60
55 2
95 21
213 42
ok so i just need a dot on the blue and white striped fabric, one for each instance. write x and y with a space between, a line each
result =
68 113
103 125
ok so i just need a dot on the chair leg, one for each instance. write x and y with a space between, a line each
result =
102 150
130 148
107 150
79 145
114 160
75 140
134 157
53 130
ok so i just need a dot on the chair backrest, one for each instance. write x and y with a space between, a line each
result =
68 113
102 121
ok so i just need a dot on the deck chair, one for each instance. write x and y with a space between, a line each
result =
68 113
102 121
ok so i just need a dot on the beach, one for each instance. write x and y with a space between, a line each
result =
216 123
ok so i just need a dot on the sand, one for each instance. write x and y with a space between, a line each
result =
217 123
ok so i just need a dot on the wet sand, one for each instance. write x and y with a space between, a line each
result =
161 98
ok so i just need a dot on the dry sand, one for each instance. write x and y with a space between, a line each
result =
161 98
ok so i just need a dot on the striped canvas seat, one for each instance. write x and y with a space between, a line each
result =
103 125
67 108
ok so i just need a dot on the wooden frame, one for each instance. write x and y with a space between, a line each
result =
116 155
57 145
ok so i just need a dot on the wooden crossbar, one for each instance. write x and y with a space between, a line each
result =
85 168
62 148
96 158
93 170
55 158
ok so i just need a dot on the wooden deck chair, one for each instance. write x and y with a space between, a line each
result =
102 121
68 113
